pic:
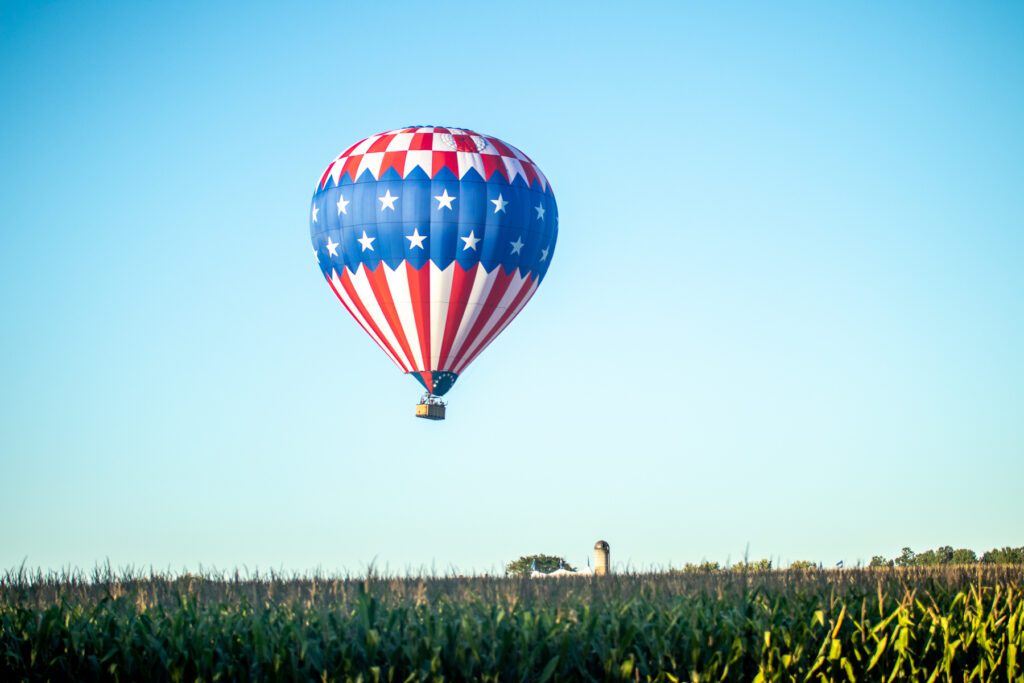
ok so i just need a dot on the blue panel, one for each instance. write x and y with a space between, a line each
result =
416 208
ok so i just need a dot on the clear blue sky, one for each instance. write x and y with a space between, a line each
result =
786 312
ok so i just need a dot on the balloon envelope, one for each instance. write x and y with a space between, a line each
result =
433 239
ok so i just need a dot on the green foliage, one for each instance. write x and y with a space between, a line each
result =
938 623
702 568
966 556
762 565
1004 556
802 565
906 558
947 555
545 563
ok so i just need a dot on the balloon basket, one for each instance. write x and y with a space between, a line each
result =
430 408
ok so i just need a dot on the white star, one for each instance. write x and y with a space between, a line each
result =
387 201
332 246
517 246
416 239
544 254
316 255
342 205
470 241
444 201
540 211
315 212
366 242
499 204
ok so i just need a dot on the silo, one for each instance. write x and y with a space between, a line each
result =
602 559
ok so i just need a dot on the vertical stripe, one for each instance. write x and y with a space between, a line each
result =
525 292
419 293
462 285
398 284
382 293
514 286
359 289
346 301
483 284
491 308
440 290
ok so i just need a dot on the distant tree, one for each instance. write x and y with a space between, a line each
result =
930 558
1004 556
762 565
964 556
702 568
802 565
879 561
545 563
906 558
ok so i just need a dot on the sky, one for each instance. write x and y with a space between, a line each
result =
785 318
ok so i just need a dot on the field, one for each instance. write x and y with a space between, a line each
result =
937 624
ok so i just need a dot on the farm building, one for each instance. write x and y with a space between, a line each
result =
602 565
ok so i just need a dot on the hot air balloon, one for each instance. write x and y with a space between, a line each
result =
433 239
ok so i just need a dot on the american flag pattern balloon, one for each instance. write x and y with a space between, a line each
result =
433 239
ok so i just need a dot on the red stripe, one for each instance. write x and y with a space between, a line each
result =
419 292
422 142
346 282
529 172
462 285
326 175
492 163
394 160
356 318
498 287
380 144
350 167
382 291
449 159
503 150
506 317
428 379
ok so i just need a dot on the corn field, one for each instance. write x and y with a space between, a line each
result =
942 624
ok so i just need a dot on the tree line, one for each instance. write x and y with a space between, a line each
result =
907 558
948 555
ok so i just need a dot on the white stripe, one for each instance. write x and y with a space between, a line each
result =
372 161
339 288
468 160
440 296
398 283
516 284
418 157
482 285
513 167
362 286
519 154
470 357
336 170
364 145
543 178
400 142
